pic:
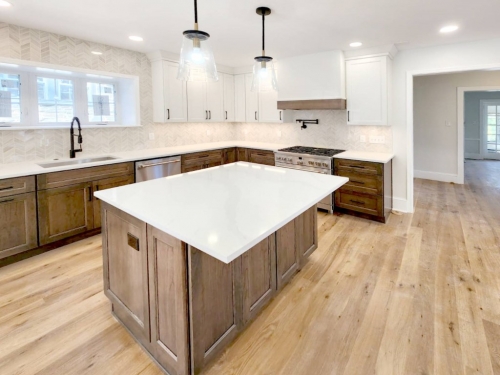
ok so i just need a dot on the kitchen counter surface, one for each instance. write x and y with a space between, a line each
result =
32 168
376 157
223 211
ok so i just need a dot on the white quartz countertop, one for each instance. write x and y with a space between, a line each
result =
376 157
223 211
32 168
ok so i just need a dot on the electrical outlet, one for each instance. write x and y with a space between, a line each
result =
362 138
151 136
448 124
377 139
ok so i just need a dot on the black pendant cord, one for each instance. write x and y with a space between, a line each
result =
263 33
195 11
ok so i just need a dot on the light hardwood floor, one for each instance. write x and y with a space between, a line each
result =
419 295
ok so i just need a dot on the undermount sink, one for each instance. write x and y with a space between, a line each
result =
75 162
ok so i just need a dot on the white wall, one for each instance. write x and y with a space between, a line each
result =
435 120
451 57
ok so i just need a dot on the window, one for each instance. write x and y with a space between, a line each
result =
493 129
55 100
10 98
101 102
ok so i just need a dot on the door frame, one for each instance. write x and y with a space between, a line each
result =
484 129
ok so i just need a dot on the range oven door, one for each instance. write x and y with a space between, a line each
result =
327 202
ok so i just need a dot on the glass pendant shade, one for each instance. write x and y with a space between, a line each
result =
264 75
197 61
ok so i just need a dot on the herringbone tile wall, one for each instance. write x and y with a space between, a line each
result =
24 145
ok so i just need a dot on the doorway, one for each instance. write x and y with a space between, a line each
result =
490 129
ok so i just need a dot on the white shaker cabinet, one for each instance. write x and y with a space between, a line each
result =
239 98
229 98
169 93
215 99
268 107
205 101
251 100
367 90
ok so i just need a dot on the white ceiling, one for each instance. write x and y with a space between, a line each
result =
295 27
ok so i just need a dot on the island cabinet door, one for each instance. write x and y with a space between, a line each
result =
258 267
286 254
169 303
306 234
125 270
241 154
215 305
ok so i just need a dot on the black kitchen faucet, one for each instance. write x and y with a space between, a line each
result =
72 137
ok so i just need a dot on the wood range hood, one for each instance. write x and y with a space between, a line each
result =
337 104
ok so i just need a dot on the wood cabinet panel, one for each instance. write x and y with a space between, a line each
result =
362 182
64 212
18 229
75 176
104 184
125 270
241 154
261 157
306 234
368 204
201 160
358 166
169 303
215 309
258 266
18 185
229 155
286 254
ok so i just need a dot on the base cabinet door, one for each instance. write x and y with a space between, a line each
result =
306 234
229 155
18 230
215 310
258 267
286 254
125 270
104 184
241 154
64 212
261 157
168 302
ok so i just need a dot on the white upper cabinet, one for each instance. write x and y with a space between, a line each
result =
169 93
268 107
229 98
239 98
206 101
367 89
251 100
215 100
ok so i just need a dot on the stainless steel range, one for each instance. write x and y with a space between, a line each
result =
312 159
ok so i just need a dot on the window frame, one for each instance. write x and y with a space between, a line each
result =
116 103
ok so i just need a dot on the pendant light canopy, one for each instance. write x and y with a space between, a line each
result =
197 61
264 76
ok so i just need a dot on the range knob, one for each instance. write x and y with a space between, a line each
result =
289 159
311 163
325 165
317 163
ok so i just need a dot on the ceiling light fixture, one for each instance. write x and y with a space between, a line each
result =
197 61
264 76
449 29
356 44
5 4
136 38
96 53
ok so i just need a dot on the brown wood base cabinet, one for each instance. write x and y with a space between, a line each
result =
184 306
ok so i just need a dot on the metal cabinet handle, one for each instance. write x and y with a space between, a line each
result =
255 115
280 116
226 115
90 193
356 166
7 200
206 115
140 166
168 114
358 182
7 188
209 115
348 116
358 202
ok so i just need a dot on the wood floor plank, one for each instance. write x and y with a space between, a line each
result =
492 331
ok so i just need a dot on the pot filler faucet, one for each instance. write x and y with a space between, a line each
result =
72 137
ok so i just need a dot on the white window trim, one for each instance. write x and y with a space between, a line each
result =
117 102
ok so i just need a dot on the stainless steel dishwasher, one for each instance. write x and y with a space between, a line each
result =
155 168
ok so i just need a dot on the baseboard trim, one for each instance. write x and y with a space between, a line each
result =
436 176
474 156
401 205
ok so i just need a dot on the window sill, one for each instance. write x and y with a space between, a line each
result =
66 126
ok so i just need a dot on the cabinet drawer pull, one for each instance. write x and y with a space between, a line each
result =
7 188
358 202
7 200
356 166
133 241
357 182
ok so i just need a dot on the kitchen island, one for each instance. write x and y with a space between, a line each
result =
191 259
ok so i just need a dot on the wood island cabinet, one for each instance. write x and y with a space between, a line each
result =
260 156
104 184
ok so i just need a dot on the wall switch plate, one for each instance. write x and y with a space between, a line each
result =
362 138
447 123
377 139
151 136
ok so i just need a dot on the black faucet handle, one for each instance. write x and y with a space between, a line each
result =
80 139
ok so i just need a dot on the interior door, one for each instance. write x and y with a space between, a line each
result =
490 124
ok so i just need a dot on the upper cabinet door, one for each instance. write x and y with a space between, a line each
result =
268 106
252 101
367 90
169 94
239 98
197 101
215 99
229 97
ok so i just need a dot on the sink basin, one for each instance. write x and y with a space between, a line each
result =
75 162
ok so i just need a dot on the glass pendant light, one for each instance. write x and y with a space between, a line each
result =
197 60
264 76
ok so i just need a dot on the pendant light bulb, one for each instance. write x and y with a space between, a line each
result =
197 61
264 75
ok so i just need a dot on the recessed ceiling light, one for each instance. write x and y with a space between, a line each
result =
356 44
449 29
4 3
96 53
135 38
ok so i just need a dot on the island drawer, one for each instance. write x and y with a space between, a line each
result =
364 203
76 176
261 157
18 185
358 166
362 182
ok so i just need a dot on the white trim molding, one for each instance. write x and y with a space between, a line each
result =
400 204
437 176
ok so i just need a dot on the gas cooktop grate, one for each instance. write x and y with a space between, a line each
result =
312 150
